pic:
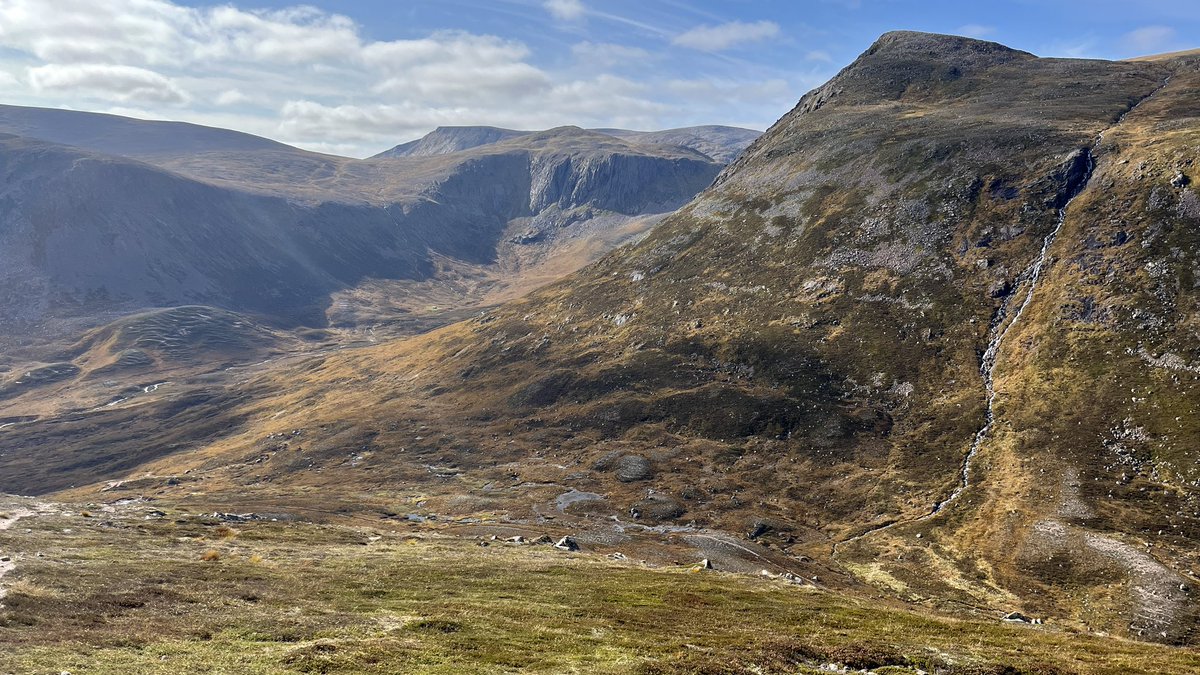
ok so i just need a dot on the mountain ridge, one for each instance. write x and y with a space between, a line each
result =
719 143
125 136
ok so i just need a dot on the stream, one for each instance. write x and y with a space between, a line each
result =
1001 326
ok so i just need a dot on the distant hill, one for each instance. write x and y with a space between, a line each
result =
445 140
124 136
721 144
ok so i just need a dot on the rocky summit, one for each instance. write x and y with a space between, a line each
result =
929 343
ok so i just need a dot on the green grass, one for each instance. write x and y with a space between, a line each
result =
119 594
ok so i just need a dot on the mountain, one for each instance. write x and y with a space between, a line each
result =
932 334
721 144
124 136
445 140
276 232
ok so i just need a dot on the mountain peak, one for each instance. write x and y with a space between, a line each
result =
936 44
902 63
447 139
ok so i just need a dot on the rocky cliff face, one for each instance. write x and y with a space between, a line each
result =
607 176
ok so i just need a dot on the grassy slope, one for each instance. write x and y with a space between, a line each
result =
116 592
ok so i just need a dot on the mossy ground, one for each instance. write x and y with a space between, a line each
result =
117 593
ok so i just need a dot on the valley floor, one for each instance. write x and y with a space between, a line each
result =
152 588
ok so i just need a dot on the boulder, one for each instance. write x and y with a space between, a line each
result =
657 508
632 468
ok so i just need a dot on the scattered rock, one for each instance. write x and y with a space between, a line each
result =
1000 288
1180 180
544 539
758 529
516 540
235 517
657 508
1017 617
632 468
705 564
567 544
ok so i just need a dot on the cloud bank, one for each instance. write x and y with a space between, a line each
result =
311 77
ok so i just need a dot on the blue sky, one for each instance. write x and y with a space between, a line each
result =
357 77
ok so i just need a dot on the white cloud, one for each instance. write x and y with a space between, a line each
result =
726 35
1150 40
314 79
116 83
565 10
454 68
602 101
232 97
974 30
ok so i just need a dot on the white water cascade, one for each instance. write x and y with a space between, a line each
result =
1000 327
